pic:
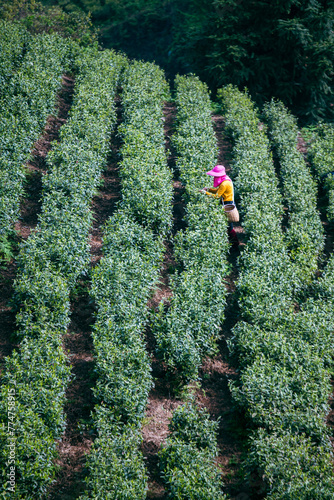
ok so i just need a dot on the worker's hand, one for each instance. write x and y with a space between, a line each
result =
202 190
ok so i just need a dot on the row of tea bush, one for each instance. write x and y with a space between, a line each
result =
283 346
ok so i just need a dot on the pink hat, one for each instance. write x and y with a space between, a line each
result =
217 171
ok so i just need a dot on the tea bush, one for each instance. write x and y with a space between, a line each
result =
297 469
187 457
189 329
147 189
321 154
117 470
31 82
121 287
13 39
284 354
305 234
50 262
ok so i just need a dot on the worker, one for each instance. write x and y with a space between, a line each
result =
223 189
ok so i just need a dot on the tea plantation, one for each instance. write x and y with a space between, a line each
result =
281 342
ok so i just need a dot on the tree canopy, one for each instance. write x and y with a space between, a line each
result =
275 48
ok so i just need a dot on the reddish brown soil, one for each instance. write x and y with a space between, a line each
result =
178 203
161 403
30 208
79 434
104 203
36 167
224 158
302 145
213 393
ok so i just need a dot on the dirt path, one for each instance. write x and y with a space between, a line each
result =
105 202
78 438
161 403
30 208
215 373
79 434
224 158
213 393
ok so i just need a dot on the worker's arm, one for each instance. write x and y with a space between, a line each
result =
216 192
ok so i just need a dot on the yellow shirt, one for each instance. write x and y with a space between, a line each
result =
225 189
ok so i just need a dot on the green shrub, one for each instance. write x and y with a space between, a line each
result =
284 353
146 179
187 458
189 329
305 234
116 465
321 153
293 467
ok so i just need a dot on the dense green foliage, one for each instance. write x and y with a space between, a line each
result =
37 18
30 76
50 262
146 180
141 28
283 341
296 469
13 40
189 329
304 234
321 154
284 354
117 469
187 457
122 284
282 49
121 287
266 272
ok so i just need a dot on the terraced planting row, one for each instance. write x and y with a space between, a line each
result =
49 264
284 355
31 77
321 153
305 234
121 286
189 329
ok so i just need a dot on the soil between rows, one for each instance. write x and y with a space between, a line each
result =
213 392
29 209
78 344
